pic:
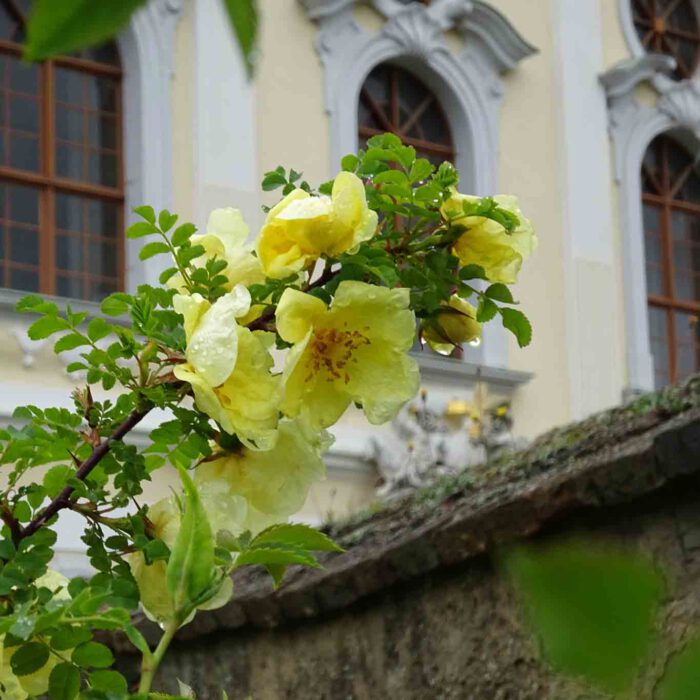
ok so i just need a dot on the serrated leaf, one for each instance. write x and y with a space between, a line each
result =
146 212
267 554
153 248
166 220
109 682
97 329
137 639
141 229
486 310
517 323
182 233
499 292
349 162
55 479
46 326
64 681
69 342
593 608
190 571
114 305
472 272
297 535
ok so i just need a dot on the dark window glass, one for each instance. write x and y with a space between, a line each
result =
671 211
61 182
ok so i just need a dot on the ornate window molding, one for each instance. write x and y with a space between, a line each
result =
662 81
635 119
147 48
467 82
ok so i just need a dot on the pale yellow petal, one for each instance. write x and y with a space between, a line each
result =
213 344
228 225
205 396
296 313
192 307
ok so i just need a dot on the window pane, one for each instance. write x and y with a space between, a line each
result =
103 259
102 131
70 124
658 335
69 287
24 152
686 329
24 113
23 77
26 280
69 213
103 168
99 289
23 203
103 218
69 161
24 245
101 93
69 253
69 86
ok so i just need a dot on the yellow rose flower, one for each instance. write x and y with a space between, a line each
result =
37 683
353 351
225 239
487 243
274 483
455 325
229 366
165 518
302 228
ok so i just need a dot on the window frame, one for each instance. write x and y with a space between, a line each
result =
49 184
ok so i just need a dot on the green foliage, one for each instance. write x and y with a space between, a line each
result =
593 608
63 27
243 15
190 573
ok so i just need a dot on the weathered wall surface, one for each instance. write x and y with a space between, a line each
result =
416 608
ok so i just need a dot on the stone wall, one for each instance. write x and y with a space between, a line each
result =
416 609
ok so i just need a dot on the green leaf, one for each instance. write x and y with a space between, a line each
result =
55 479
154 248
166 220
486 310
141 229
69 342
681 681
109 682
500 292
349 162
517 323
64 27
243 15
64 682
29 658
115 304
167 274
273 180
137 639
92 654
276 554
421 170
593 608
46 326
97 329
182 234
190 570
472 272
69 638
146 212
297 535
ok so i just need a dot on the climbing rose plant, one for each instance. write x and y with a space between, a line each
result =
248 355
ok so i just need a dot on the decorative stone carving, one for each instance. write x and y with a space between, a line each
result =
425 444
28 347
682 105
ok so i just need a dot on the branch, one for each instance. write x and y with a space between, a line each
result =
99 451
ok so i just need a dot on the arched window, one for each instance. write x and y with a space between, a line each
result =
671 210
61 170
394 100
670 27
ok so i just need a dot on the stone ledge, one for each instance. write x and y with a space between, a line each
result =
621 456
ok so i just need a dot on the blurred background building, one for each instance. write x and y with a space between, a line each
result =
588 110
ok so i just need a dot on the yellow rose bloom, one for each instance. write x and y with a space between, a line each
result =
155 598
274 483
487 243
302 228
37 683
455 325
353 351
225 239
229 367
